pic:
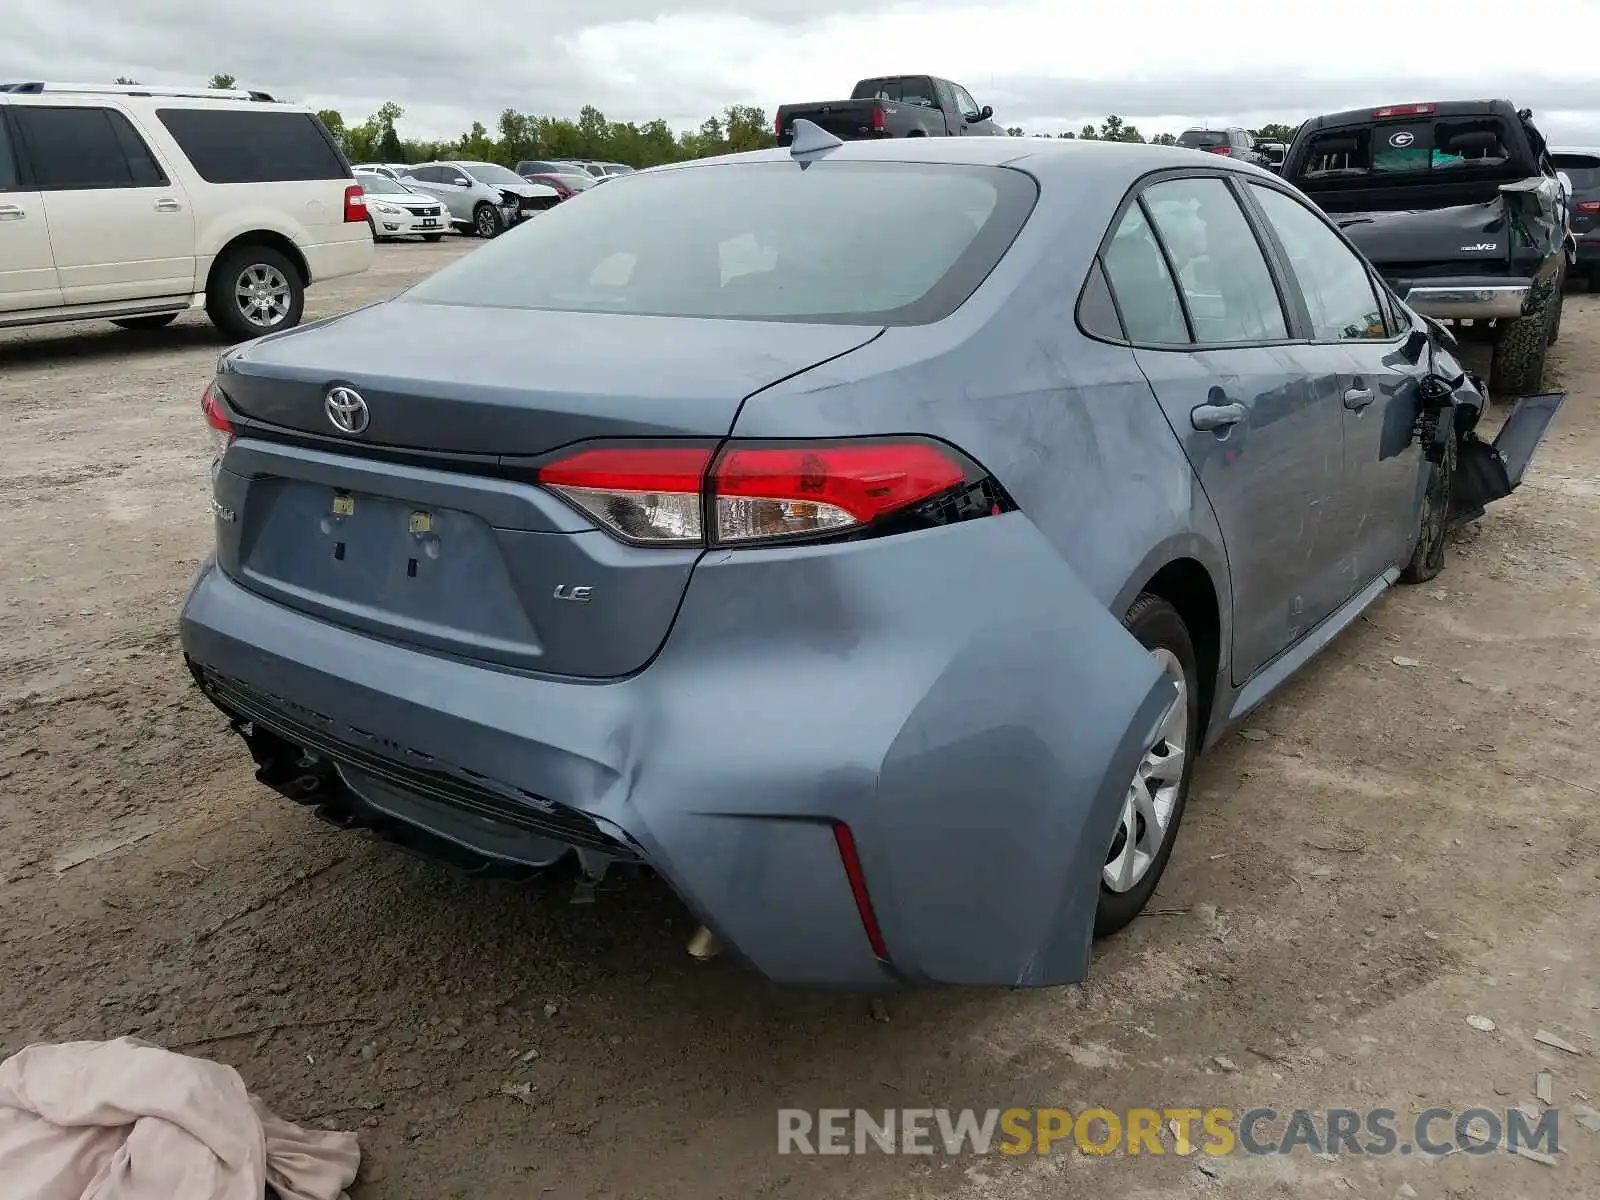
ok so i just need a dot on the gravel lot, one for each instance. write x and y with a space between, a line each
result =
1405 837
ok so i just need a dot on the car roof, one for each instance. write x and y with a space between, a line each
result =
1442 108
1040 156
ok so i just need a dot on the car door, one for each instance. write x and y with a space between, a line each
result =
1218 351
971 116
120 226
1383 474
27 267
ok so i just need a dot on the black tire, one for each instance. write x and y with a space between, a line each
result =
1157 626
226 306
142 324
1517 367
1433 522
487 221
433 237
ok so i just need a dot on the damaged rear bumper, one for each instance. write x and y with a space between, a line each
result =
954 699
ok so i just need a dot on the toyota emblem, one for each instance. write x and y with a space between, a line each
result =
346 409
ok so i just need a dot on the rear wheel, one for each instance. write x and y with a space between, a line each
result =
254 290
157 321
1427 557
1517 367
1152 807
486 221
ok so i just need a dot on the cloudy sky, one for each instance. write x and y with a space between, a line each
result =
1047 66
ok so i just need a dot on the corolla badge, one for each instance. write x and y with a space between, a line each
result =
346 409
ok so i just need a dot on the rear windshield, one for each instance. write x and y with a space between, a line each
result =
1584 169
912 90
1195 138
1409 147
837 243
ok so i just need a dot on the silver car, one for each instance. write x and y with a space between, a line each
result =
482 197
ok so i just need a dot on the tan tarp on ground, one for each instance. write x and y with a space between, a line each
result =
125 1120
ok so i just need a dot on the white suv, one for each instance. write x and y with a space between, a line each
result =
135 203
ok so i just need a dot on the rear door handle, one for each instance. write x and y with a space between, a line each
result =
1216 416
1357 398
11 212
168 204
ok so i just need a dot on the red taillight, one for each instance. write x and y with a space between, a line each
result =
1225 151
1401 110
783 491
216 417
858 888
649 495
879 122
355 203
221 427
664 495
777 126
1589 205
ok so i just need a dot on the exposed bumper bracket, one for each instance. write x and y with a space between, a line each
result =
1474 302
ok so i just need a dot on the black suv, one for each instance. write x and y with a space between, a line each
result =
1582 168
1232 142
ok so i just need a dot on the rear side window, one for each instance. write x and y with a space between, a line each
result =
253 145
917 89
8 160
1335 283
1227 285
853 243
77 149
1146 296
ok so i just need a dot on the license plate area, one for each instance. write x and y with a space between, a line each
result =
427 223
435 576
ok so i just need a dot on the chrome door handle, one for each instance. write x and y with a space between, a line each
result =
1357 398
1216 416
11 212
167 204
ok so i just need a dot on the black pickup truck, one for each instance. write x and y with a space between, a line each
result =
1459 207
894 106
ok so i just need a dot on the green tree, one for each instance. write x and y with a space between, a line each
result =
1014 131
1088 134
1164 139
1275 131
747 128
124 81
334 121
223 81
1115 129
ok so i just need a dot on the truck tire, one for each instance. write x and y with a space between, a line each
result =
1517 368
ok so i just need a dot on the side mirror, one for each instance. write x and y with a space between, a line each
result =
461 181
985 113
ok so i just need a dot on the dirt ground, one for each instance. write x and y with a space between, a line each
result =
1405 837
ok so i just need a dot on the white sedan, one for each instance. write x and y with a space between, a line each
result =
396 211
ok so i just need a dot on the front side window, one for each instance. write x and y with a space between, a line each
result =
1227 285
840 243
965 102
1334 281
73 149
1145 293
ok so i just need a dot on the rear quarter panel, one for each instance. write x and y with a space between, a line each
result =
1068 424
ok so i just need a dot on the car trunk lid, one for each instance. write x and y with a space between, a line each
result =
426 525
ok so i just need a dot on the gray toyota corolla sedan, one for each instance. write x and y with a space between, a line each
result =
864 537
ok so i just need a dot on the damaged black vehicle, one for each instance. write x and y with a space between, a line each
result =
1462 211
